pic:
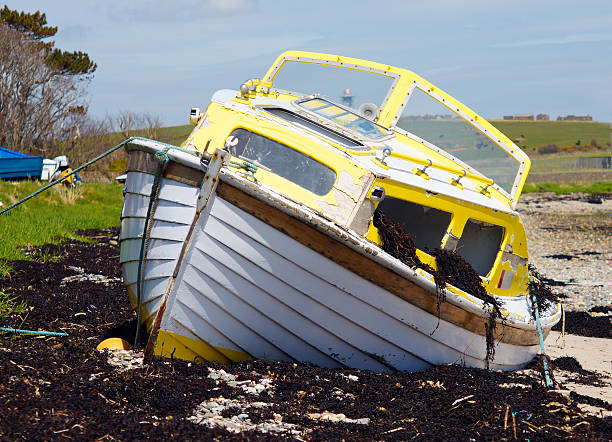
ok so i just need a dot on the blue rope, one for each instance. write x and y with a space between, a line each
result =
31 332
537 315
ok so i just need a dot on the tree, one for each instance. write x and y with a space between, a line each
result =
42 88
147 124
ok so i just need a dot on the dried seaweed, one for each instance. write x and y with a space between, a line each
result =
462 275
400 245
452 269
540 291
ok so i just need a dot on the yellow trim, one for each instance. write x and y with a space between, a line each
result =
461 212
173 345
144 312
335 160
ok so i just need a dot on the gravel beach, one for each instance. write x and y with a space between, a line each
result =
570 241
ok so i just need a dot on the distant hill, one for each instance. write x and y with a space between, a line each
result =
568 136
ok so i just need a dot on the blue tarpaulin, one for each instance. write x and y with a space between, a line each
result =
17 165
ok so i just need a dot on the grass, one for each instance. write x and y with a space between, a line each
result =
532 134
11 306
600 187
53 215
170 134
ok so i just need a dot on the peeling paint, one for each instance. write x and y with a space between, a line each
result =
514 260
340 210
353 187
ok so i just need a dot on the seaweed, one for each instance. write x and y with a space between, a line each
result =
452 269
400 245
540 291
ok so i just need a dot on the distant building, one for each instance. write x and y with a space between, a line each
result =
508 117
523 116
542 117
347 97
575 118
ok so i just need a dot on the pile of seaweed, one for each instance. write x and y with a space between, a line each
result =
587 324
56 388
452 269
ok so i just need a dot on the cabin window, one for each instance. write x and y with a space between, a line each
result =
479 244
426 224
284 161
312 126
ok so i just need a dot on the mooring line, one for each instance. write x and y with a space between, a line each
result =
31 332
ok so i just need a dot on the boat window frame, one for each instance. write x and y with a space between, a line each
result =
296 150
465 117
504 233
357 135
395 101
358 148
271 75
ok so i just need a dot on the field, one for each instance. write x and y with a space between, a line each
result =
172 134
533 134
54 214
560 188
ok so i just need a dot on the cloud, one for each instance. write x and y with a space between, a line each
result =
568 39
182 10
227 7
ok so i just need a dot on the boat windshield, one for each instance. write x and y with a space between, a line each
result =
343 117
431 121
352 87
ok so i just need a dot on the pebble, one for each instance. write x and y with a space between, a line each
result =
125 359
209 413
248 386
350 377
570 225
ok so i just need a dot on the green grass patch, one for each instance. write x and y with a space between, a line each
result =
53 215
11 306
533 134
599 187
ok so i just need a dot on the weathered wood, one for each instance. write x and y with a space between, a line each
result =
184 174
139 161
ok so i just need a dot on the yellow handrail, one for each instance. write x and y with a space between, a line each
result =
429 163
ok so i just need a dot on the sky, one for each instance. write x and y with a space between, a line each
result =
498 57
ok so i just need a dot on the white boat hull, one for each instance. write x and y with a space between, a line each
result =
226 285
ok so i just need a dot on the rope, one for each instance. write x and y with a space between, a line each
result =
246 165
59 180
563 324
31 332
537 315
162 157
89 163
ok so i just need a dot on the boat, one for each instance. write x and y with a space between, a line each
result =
263 234
17 165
